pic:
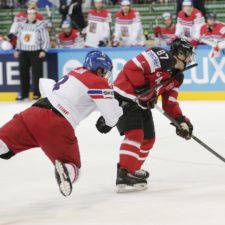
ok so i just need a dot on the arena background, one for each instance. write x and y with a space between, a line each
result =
204 82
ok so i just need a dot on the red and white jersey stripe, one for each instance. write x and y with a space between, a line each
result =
166 36
80 93
188 26
146 70
128 29
98 28
69 41
215 33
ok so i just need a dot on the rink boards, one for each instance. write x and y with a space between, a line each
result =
204 82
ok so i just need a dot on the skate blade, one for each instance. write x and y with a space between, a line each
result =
64 185
123 188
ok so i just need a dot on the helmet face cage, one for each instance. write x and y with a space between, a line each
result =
97 59
182 46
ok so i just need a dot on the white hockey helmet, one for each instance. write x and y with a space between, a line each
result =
66 24
187 3
166 15
125 2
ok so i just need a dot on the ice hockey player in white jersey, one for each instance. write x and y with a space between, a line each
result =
189 21
63 105
128 27
98 29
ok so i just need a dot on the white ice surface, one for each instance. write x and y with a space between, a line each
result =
186 187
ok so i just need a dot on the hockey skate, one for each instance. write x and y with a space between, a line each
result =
62 178
130 182
142 174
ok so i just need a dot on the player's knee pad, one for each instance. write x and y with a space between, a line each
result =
5 153
148 144
135 135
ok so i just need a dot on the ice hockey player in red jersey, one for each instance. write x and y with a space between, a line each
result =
213 33
166 34
189 21
68 37
142 73
98 29
51 122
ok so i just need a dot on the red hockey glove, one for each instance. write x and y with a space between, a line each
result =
101 125
148 100
185 129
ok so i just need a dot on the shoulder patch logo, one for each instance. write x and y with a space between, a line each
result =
154 58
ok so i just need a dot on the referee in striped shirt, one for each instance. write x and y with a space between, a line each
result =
32 44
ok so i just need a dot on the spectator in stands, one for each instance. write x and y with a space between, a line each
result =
63 9
72 9
7 4
22 3
68 37
198 4
189 21
165 35
98 29
213 34
32 44
20 18
128 27
163 1
114 2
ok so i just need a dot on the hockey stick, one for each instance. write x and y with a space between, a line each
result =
193 136
49 14
164 82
